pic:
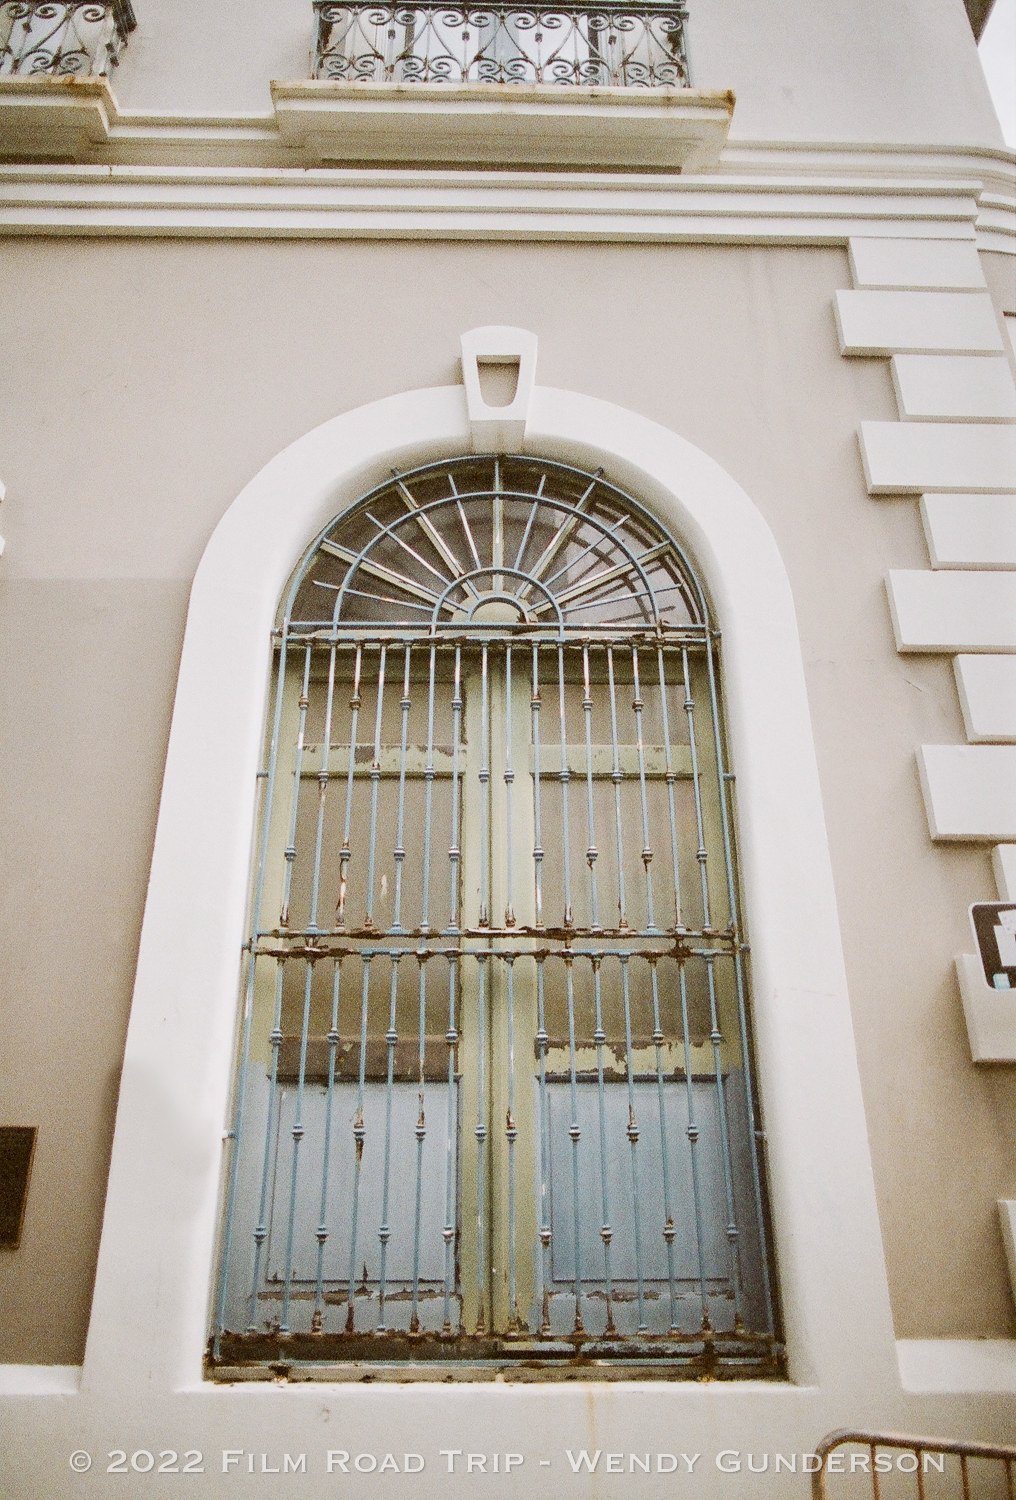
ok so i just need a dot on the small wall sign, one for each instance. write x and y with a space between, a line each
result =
994 924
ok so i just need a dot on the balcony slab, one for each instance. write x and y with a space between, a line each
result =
46 118
511 124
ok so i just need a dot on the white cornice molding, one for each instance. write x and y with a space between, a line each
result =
402 204
94 170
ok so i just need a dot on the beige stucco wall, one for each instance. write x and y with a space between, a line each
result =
145 382
876 70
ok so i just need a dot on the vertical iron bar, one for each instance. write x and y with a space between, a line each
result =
511 1136
509 781
298 1134
537 832
384 1232
400 851
692 1132
529 524
428 811
448 1233
647 852
716 1037
345 853
606 1229
671 778
454 852
668 1217
323 773
287 884
633 1139
565 775
617 776
484 780
591 850
575 1135
481 1145
421 1135
322 1229
497 531
261 1228
754 1132
375 783
545 1229
702 855
359 1133
876 1483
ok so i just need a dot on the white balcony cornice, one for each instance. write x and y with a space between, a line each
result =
46 116
71 162
504 124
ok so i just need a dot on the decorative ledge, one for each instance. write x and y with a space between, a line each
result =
43 116
970 797
957 1366
947 611
911 458
504 124
990 1014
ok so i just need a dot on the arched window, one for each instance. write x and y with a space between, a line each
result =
494 1102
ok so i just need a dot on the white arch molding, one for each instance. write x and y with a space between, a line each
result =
157 1255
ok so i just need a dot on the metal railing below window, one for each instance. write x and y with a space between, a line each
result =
887 1465
81 38
618 45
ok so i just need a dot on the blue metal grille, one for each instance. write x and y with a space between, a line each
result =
495 1105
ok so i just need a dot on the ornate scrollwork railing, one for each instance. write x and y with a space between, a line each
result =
77 37
617 45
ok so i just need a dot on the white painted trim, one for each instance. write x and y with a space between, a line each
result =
499 428
987 688
588 126
970 793
224 176
1007 1219
934 265
1003 864
953 388
878 323
975 532
952 611
906 458
40 1380
952 1365
156 1258
990 1014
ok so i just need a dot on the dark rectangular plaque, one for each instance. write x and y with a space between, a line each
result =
994 924
17 1146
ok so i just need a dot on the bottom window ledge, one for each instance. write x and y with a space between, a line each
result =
239 1358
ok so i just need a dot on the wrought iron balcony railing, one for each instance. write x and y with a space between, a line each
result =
618 45
77 37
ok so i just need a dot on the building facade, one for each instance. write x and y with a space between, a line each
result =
508 702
